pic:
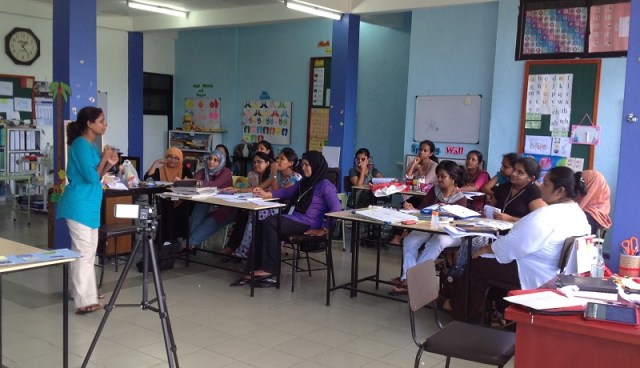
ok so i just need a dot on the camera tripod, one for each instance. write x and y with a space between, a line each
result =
146 232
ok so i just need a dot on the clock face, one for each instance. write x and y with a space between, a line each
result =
22 46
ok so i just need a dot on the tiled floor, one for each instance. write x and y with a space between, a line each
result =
214 325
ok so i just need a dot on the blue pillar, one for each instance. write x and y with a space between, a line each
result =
344 88
136 83
74 63
626 223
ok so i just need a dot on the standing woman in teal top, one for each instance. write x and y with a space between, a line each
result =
81 200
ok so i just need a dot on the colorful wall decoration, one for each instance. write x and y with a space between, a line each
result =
202 114
267 120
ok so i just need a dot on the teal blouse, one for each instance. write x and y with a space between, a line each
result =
82 197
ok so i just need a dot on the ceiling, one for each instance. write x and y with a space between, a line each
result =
218 13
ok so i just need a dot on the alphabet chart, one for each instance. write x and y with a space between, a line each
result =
550 94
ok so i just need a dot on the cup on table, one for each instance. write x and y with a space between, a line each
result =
629 265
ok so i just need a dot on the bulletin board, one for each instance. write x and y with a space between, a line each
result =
319 103
452 119
557 96
15 89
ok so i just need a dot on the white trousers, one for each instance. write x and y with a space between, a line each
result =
84 240
435 244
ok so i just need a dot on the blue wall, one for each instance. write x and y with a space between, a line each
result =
242 62
507 95
452 53
382 85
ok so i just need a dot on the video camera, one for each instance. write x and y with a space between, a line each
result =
133 211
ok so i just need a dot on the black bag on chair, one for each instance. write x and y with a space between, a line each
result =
166 257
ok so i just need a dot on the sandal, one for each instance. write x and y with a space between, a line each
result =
88 309
100 296
399 290
266 283
396 281
244 280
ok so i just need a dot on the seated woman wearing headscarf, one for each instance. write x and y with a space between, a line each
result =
528 255
310 200
206 219
171 168
594 199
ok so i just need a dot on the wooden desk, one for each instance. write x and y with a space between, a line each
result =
570 341
8 247
357 220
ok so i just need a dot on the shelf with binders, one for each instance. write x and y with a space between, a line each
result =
22 150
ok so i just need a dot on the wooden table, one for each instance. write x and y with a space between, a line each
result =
571 341
8 247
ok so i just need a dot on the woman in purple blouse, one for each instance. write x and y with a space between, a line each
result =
310 199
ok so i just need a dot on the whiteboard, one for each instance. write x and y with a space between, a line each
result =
453 119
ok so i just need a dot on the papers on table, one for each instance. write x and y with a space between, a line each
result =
546 300
490 211
459 211
458 232
471 195
117 186
193 190
496 224
386 215
46 256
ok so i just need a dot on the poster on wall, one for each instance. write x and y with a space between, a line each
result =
267 120
609 27
202 114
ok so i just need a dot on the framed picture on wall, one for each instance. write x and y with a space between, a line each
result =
566 29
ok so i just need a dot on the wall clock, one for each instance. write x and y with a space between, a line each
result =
22 46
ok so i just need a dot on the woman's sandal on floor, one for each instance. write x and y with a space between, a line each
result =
88 309
244 280
399 290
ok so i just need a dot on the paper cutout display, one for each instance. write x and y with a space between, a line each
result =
267 120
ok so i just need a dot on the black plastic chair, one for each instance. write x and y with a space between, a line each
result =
457 339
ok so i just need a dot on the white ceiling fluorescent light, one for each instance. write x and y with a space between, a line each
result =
157 9
312 9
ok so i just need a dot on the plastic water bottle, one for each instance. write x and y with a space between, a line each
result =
435 219
597 269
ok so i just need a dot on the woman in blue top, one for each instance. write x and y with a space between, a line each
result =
81 200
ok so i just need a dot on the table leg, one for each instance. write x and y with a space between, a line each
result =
467 278
354 258
65 315
1 320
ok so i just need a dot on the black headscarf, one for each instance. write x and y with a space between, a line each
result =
318 173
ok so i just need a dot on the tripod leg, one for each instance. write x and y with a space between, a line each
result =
112 301
169 342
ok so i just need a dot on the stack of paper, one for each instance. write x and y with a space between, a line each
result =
387 215
459 211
